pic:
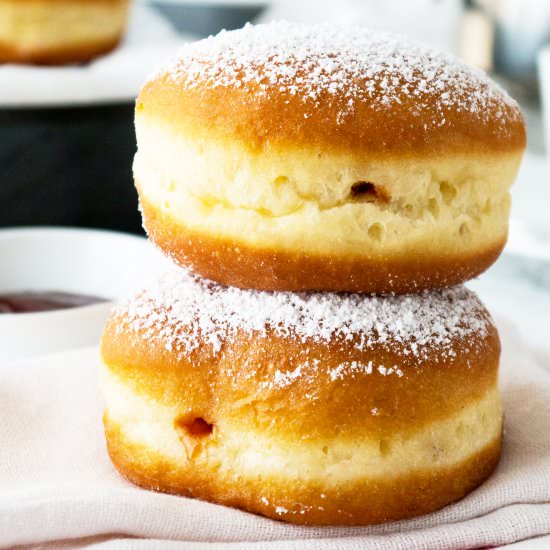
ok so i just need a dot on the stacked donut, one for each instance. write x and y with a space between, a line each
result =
324 190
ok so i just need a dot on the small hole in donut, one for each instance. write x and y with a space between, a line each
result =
365 191
325 450
448 192
385 447
194 427
464 230
433 208
375 231
280 180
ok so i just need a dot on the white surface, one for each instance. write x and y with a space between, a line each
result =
58 487
530 217
96 263
515 287
115 77
518 285
436 22
544 79
524 240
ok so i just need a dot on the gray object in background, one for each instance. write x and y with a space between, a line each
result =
206 18
521 28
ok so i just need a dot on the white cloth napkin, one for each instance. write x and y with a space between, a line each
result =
59 490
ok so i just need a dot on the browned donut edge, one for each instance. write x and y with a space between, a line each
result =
238 264
370 502
58 56
260 122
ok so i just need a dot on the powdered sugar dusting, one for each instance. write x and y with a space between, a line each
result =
341 65
183 312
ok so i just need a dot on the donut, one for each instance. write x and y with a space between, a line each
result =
295 157
56 32
311 408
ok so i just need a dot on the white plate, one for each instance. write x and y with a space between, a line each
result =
92 262
544 77
116 77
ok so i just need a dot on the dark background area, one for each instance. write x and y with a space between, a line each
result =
68 166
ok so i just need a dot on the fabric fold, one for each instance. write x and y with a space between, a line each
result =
58 488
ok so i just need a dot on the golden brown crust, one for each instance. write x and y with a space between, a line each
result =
235 114
81 53
237 264
271 85
359 504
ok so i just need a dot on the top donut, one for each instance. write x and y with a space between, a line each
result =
294 157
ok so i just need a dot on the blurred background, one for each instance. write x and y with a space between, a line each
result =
67 137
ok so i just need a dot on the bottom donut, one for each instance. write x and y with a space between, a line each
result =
320 409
